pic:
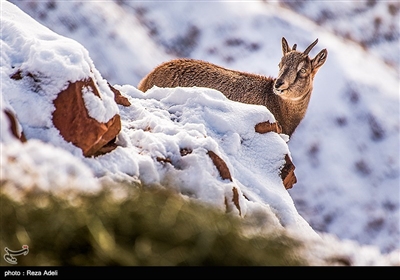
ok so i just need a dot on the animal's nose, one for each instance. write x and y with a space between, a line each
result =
278 83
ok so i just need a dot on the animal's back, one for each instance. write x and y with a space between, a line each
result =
287 96
190 72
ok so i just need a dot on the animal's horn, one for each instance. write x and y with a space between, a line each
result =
294 47
310 47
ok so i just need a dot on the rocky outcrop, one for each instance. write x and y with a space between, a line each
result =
226 175
287 174
72 119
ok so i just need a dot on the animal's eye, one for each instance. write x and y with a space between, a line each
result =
302 70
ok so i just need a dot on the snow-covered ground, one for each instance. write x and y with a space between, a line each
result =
346 150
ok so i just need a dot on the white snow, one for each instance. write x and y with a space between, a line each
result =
39 165
101 108
346 150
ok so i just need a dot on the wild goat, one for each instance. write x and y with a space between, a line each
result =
286 97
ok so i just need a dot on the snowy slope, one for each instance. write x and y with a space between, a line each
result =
346 150
375 25
156 129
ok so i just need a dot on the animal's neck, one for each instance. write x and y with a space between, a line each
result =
290 109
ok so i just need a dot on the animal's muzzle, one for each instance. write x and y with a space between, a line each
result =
278 83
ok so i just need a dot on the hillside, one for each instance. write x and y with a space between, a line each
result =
372 24
334 185
346 150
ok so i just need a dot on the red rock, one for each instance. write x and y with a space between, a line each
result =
287 173
14 126
265 127
221 166
287 170
226 174
72 119
119 98
235 200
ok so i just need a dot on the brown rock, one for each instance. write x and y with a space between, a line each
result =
235 200
221 166
119 98
14 127
225 174
287 173
72 119
265 127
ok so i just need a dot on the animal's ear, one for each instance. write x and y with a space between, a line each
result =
285 46
319 59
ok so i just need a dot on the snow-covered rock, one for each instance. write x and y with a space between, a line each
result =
185 138
53 87
168 137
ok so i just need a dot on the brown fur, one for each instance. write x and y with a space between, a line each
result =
286 96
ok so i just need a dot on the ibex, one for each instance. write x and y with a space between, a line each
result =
286 96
